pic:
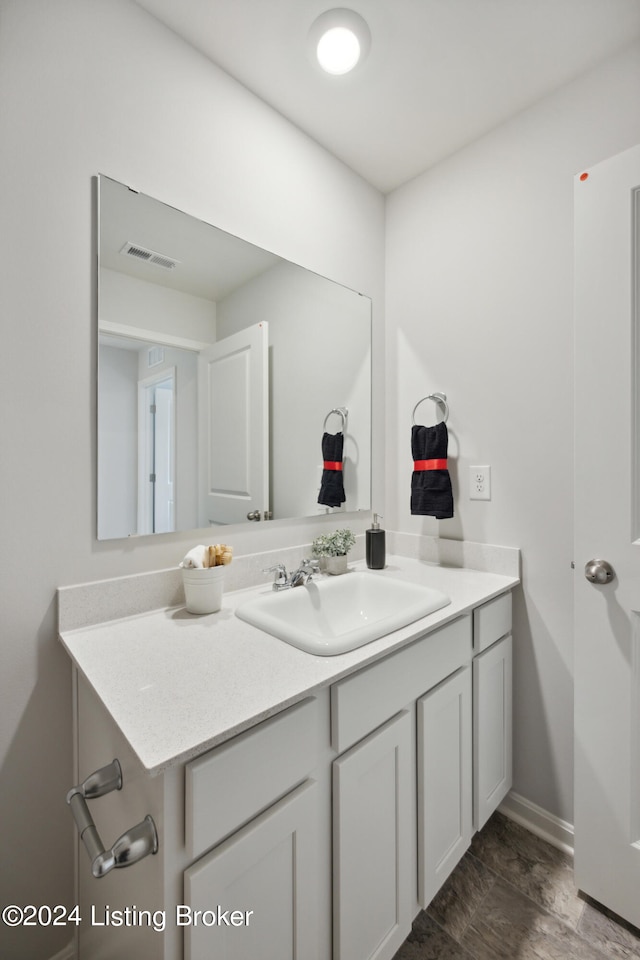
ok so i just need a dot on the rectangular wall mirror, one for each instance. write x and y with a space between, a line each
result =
220 367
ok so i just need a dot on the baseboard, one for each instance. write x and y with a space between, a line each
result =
546 825
67 953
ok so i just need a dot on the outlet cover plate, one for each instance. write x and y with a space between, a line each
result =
480 483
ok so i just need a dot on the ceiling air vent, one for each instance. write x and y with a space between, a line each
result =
148 256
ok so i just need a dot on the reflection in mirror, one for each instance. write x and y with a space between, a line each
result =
220 368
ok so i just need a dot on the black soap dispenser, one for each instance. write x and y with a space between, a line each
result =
375 546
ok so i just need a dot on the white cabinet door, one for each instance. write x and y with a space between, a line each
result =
492 729
444 781
267 873
374 830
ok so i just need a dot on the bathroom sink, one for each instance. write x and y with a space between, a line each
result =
332 616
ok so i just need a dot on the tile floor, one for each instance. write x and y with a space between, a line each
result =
512 897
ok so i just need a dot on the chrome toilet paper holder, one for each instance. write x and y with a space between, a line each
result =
132 846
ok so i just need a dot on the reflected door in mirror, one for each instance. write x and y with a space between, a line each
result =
233 409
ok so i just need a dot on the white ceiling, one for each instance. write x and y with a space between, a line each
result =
440 73
211 263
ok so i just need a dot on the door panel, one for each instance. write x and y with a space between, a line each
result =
233 413
607 660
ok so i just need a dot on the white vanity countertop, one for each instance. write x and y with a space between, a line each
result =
178 684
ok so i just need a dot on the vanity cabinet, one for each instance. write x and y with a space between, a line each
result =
320 832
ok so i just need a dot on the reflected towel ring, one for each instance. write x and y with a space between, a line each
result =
440 398
342 412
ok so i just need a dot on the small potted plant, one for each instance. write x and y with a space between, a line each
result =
332 549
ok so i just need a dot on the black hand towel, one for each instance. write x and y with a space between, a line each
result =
431 494
331 486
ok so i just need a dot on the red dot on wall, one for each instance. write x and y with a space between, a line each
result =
584 176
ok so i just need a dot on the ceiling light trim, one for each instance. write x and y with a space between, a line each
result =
339 19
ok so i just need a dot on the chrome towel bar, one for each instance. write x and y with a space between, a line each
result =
133 845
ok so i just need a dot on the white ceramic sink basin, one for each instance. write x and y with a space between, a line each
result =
332 616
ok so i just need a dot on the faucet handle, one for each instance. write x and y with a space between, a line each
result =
280 574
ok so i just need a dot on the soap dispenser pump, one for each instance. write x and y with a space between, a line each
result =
375 545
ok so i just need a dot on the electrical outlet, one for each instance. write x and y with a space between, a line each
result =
480 483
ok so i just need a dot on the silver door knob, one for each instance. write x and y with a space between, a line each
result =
598 571
253 515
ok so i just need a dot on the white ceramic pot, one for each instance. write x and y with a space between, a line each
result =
203 588
336 565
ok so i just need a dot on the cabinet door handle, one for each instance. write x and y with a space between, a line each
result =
133 845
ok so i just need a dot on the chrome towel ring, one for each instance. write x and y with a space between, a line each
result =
342 412
440 398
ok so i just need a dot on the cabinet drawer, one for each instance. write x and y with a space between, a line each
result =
491 621
228 786
361 703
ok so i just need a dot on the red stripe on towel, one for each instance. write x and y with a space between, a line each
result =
332 464
430 464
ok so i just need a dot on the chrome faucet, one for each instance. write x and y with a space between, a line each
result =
304 573
284 581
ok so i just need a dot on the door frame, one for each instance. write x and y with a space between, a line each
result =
145 447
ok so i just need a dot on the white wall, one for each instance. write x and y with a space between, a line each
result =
189 135
319 359
157 309
117 442
479 306
120 371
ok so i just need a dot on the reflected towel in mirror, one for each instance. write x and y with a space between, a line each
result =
332 485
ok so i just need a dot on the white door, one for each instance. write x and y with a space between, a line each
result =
233 414
607 528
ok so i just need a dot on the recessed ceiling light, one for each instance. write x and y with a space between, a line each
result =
339 39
